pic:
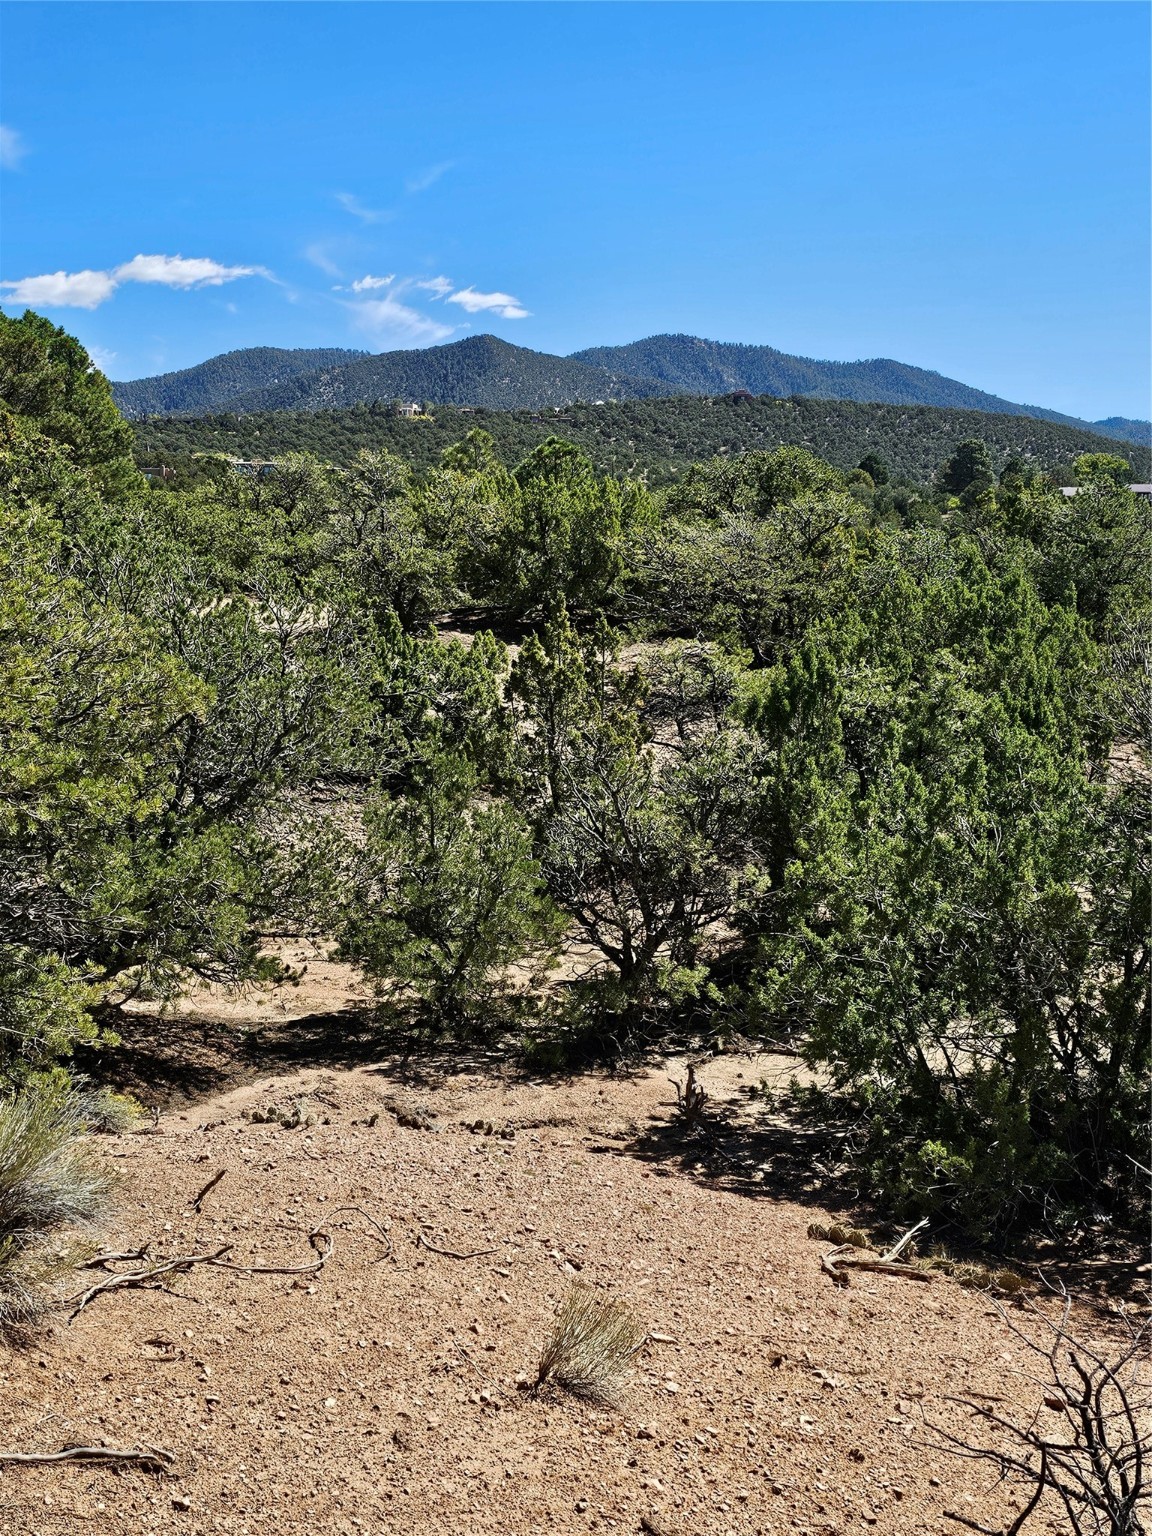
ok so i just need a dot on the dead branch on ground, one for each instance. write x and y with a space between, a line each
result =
144 1277
153 1456
147 1279
102 1260
1093 1458
852 1255
207 1190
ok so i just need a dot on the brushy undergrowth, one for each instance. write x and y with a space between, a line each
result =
108 1113
592 1343
50 1182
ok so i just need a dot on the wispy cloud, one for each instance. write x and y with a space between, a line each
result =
89 289
425 179
367 283
12 149
502 304
389 322
352 204
318 254
437 286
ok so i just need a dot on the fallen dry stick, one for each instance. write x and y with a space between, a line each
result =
381 1237
143 1277
146 1455
319 1240
102 1260
898 1248
207 1190
449 1253
837 1264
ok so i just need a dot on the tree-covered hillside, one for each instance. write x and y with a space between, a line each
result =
690 365
208 385
480 370
1126 429
483 371
655 438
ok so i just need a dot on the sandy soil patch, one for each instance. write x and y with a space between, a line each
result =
382 1395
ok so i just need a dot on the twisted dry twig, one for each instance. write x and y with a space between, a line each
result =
318 1239
154 1456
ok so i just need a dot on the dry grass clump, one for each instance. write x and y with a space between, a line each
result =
49 1181
593 1340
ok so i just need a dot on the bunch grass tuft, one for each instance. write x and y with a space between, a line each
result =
592 1343
50 1181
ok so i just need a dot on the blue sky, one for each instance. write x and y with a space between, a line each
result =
960 186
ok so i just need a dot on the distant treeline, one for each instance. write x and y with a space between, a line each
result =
656 439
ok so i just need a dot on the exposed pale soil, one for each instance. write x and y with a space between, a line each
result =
382 1395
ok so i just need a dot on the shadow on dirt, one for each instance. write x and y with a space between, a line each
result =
780 1156
166 1060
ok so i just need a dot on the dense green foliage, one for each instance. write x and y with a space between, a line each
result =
658 440
788 747
485 371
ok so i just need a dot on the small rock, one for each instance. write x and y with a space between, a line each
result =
181 1501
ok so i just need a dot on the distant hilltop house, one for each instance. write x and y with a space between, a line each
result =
408 408
1137 490
159 472
258 468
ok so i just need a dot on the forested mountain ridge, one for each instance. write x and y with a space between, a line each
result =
483 371
1125 429
691 365
478 371
658 439
207 385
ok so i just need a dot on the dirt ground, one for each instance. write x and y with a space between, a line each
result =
386 1393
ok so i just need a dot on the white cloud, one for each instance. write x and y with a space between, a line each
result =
502 304
182 271
424 179
12 149
390 322
102 358
86 290
437 286
358 210
368 282
74 290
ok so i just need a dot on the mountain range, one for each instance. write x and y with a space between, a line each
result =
484 371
